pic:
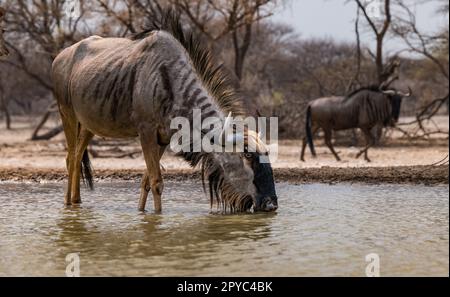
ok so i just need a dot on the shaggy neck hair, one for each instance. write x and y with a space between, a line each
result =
372 88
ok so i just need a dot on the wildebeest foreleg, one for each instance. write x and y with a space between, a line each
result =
70 131
329 143
145 185
369 143
152 156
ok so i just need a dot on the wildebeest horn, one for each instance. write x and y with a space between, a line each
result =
394 92
409 94
224 128
230 138
390 92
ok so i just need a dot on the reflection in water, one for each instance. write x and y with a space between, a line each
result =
318 230
178 238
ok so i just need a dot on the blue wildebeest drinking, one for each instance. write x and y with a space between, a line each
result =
134 87
3 50
363 108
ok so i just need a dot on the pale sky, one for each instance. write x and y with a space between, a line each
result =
335 19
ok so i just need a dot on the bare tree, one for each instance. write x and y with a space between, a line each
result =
234 18
214 19
434 47
38 31
380 31
355 79
46 25
129 15
429 46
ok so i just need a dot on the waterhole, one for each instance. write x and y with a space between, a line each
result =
319 230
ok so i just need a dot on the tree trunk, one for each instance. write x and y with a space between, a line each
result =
49 135
8 118
379 59
4 108
240 51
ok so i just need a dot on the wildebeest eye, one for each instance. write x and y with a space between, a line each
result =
248 156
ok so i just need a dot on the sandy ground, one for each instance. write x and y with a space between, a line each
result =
400 160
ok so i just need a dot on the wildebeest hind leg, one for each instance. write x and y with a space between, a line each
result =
305 143
145 186
302 153
84 136
328 142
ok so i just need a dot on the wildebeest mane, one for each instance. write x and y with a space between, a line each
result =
213 76
372 88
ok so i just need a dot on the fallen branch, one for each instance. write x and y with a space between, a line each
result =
52 133
49 135
425 115
97 154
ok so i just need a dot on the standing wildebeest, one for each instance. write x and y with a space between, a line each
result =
3 50
119 87
362 109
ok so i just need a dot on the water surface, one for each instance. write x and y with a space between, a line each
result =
319 230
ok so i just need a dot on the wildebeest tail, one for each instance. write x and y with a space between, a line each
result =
309 135
86 171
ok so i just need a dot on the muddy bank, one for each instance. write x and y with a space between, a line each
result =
428 175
